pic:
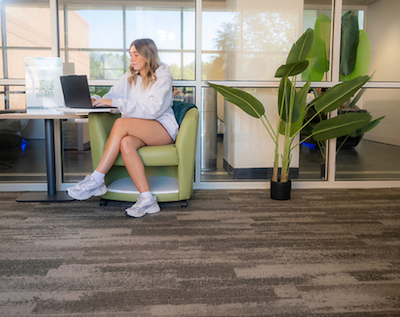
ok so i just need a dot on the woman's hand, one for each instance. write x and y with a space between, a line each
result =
101 102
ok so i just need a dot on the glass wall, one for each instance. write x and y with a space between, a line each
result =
382 27
244 151
234 146
95 41
25 32
373 155
239 44
245 40
22 35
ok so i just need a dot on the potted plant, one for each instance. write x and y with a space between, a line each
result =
292 107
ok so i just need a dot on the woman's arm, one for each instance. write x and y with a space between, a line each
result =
151 105
116 91
102 102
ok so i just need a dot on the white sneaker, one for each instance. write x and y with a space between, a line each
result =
87 188
143 206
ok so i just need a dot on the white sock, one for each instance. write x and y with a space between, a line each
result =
146 194
97 176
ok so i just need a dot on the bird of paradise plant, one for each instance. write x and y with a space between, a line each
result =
292 107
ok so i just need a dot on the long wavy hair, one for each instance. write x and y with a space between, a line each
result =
148 50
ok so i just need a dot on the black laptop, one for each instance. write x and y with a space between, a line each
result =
76 92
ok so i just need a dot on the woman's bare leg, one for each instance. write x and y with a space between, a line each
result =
112 147
127 136
151 132
154 134
133 162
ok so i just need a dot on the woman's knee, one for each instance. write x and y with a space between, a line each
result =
118 124
129 145
125 147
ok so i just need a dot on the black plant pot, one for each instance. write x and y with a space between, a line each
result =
281 191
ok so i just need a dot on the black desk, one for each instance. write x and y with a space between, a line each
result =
52 193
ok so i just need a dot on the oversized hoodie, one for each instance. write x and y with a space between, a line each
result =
153 102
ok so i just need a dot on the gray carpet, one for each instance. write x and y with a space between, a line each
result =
229 253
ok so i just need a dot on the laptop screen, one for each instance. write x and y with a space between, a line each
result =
76 91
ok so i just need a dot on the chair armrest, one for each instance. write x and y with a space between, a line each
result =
100 125
186 147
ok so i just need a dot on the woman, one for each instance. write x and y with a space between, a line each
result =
144 98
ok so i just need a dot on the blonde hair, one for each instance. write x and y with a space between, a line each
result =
148 50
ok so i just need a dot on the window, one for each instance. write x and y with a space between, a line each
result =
247 40
96 39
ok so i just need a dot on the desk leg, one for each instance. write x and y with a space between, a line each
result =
52 194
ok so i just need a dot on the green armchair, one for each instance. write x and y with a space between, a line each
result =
169 168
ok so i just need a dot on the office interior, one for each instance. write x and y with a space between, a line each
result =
231 42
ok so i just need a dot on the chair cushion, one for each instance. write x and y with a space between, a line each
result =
162 155
180 108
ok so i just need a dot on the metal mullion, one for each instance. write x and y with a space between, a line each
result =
4 38
26 47
55 28
4 51
199 87
66 38
124 43
181 50
55 52
331 144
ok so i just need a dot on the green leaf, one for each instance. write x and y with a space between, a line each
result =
363 59
357 97
322 31
299 105
367 128
349 43
340 125
359 94
301 102
312 74
302 94
318 55
321 63
285 92
249 104
301 48
338 94
292 69
296 61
